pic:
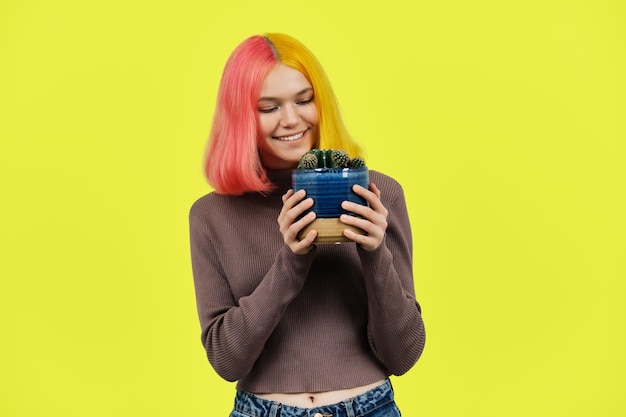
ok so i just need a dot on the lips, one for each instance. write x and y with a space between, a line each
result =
289 138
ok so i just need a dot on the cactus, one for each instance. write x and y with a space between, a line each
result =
357 162
329 158
340 158
308 161
326 159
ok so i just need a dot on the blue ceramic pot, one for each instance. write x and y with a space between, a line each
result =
329 187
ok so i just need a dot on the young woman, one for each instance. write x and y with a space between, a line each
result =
304 329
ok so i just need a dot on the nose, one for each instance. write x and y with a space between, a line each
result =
290 116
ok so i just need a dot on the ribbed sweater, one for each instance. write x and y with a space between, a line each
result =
335 318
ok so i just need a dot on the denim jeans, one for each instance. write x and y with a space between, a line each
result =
378 402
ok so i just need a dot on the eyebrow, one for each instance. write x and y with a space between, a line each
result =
299 93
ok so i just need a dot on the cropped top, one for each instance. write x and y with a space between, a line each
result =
276 322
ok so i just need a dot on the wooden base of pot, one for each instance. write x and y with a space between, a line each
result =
329 231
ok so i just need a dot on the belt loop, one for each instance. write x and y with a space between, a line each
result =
348 405
274 410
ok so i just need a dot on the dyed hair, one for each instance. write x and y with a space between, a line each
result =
232 162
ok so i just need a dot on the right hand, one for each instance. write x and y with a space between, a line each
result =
294 204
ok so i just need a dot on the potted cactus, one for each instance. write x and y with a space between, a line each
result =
327 176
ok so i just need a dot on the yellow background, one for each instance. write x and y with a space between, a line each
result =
503 120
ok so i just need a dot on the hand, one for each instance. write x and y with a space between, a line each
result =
372 220
294 205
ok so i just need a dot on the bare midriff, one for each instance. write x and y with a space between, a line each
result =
317 399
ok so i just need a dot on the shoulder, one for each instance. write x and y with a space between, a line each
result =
225 207
384 179
389 188
208 203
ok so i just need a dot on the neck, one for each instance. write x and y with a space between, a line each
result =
281 178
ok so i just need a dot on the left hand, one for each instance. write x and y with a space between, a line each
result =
372 220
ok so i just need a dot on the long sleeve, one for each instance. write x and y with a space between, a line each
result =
335 318
234 331
395 326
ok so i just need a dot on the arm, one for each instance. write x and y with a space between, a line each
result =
234 332
395 326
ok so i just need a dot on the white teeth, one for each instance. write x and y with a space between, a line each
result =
290 138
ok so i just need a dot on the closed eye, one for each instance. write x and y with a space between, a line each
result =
274 104
305 101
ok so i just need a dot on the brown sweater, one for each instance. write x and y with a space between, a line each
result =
335 318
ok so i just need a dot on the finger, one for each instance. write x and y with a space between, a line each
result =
295 228
378 218
374 189
304 245
374 233
288 194
372 197
369 227
290 199
299 209
354 236
307 242
358 209
367 242
289 223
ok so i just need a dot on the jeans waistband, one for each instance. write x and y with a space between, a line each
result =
252 405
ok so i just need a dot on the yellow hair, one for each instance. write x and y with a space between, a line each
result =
332 131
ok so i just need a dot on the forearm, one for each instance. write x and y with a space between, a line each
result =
395 326
235 332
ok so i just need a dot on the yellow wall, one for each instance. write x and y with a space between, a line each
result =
503 120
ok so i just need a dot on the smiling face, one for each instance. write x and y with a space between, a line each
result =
287 118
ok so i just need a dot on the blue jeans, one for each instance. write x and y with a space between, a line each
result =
377 402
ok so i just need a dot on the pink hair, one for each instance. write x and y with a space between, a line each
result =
232 162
